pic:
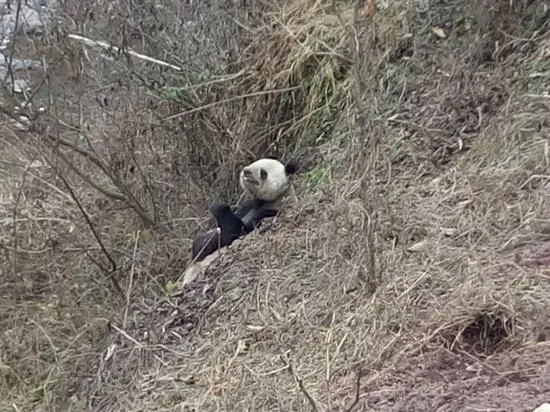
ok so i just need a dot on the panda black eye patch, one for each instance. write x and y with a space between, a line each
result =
263 174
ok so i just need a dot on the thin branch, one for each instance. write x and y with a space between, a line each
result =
91 226
373 276
126 197
300 383
9 72
357 388
231 99
106 192
131 282
14 232
109 47
79 149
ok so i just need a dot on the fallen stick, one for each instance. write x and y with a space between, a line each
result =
106 46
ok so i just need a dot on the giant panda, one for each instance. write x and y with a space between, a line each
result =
265 181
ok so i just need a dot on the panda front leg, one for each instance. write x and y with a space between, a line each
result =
204 244
257 218
231 226
262 214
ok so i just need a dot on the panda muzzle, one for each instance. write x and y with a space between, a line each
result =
249 177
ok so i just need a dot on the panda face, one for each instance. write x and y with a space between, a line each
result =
265 179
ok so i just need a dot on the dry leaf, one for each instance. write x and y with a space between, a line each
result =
110 352
369 8
439 32
188 379
276 314
448 231
419 247
545 49
464 203
255 328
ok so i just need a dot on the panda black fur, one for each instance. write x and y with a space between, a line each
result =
205 243
265 181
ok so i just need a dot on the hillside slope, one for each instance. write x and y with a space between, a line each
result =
409 270
415 254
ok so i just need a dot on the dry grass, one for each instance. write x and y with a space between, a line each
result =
409 272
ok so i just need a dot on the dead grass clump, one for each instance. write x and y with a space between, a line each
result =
303 53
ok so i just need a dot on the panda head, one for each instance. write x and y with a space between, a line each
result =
267 179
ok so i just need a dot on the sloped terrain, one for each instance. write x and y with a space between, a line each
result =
409 270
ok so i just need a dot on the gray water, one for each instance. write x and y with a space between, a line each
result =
34 18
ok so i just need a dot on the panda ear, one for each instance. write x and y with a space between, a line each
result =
291 167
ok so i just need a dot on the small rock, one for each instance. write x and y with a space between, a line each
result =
36 164
196 269
20 86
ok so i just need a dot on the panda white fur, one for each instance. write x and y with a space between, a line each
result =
265 181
